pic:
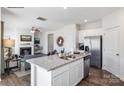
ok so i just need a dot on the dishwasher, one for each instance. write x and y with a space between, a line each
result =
86 66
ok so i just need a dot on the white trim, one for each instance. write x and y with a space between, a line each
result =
122 78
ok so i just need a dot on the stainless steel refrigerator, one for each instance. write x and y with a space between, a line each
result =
93 45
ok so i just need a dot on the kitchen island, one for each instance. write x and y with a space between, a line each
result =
54 71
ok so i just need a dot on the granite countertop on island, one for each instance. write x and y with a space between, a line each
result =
52 62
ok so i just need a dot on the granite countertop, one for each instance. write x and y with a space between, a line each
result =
52 62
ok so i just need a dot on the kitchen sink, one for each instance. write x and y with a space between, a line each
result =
71 57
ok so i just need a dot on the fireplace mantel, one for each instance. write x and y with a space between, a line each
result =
25 46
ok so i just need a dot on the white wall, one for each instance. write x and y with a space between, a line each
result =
9 33
19 43
69 35
113 20
14 33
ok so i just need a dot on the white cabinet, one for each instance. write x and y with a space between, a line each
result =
61 80
67 75
80 71
81 37
89 32
73 76
60 76
76 72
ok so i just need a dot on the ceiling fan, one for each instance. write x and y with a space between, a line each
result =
34 30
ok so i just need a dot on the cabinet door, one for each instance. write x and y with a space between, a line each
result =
76 72
65 78
73 75
61 80
80 71
56 81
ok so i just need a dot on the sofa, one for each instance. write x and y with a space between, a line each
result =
27 65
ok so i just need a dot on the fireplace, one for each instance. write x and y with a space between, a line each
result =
25 51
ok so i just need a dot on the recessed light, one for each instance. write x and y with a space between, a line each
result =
85 20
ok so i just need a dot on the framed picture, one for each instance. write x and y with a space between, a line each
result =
26 38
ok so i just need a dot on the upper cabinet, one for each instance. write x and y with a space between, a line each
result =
90 32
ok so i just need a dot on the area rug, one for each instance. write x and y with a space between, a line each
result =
22 73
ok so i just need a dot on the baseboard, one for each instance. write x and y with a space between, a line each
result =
121 78
103 68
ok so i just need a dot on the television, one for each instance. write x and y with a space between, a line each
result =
36 40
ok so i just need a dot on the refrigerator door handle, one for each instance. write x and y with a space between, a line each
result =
90 46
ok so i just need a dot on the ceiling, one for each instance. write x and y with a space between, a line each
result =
57 17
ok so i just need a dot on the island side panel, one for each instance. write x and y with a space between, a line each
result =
33 75
40 76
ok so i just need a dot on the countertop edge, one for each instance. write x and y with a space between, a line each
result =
71 61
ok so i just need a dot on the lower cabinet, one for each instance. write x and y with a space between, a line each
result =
70 77
80 71
76 72
67 75
73 76
62 79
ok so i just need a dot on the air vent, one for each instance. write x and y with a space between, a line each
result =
41 18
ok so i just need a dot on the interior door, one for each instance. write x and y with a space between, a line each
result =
111 51
50 42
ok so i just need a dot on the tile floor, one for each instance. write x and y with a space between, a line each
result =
97 77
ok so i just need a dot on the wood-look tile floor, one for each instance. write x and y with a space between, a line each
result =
97 77
13 80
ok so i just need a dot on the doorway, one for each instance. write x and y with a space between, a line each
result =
50 43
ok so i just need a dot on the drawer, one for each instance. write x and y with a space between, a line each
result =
76 62
60 70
